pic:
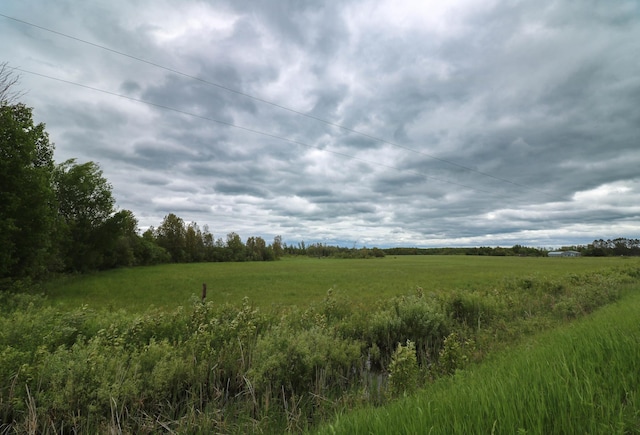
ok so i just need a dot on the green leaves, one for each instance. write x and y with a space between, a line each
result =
403 370
84 195
26 195
171 235
85 205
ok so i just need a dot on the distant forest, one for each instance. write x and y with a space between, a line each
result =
599 248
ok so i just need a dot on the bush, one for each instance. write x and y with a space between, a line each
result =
403 370
413 318
304 361
455 354
469 309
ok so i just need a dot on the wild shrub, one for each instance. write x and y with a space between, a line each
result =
281 361
589 292
334 308
414 318
78 380
470 309
403 370
303 361
632 272
165 374
154 325
20 296
14 370
35 327
456 353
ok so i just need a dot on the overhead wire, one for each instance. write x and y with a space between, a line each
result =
271 103
254 131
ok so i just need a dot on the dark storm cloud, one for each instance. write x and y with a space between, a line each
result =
467 122
240 189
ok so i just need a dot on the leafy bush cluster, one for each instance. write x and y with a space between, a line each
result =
575 379
228 368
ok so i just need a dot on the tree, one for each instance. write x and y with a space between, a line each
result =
257 250
194 243
122 244
277 247
209 244
27 216
85 205
171 235
251 249
148 251
236 247
8 82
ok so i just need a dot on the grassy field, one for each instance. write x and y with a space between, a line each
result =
293 355
301 281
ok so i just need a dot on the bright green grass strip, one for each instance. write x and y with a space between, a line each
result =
301 281
582 378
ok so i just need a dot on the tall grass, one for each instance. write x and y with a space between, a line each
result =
581 378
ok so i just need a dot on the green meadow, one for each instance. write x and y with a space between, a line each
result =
299 281
406 344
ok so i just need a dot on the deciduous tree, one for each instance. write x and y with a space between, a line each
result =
27 217
277 247
85 205
236 247
171 235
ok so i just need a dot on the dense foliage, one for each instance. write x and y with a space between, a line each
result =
580 378
224 368
27 215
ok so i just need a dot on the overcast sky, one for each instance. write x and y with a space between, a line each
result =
366 123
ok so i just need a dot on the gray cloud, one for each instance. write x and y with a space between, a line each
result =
467 123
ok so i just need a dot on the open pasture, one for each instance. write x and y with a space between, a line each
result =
301 280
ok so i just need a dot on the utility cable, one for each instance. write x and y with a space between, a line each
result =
257 132
261 100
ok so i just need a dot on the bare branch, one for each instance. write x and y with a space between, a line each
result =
8 80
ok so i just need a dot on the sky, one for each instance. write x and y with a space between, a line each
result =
353 123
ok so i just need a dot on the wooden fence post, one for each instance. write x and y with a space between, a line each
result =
204 291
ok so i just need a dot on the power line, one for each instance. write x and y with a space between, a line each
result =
254 131
261 100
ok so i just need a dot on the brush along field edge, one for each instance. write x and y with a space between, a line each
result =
581 378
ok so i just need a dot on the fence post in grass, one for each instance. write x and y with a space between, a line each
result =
204 291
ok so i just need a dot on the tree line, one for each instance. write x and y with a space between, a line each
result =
498 251
322 250
178 242
61 217
618 247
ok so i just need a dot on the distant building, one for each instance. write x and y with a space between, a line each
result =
564 254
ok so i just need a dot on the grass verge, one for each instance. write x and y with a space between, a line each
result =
581 378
